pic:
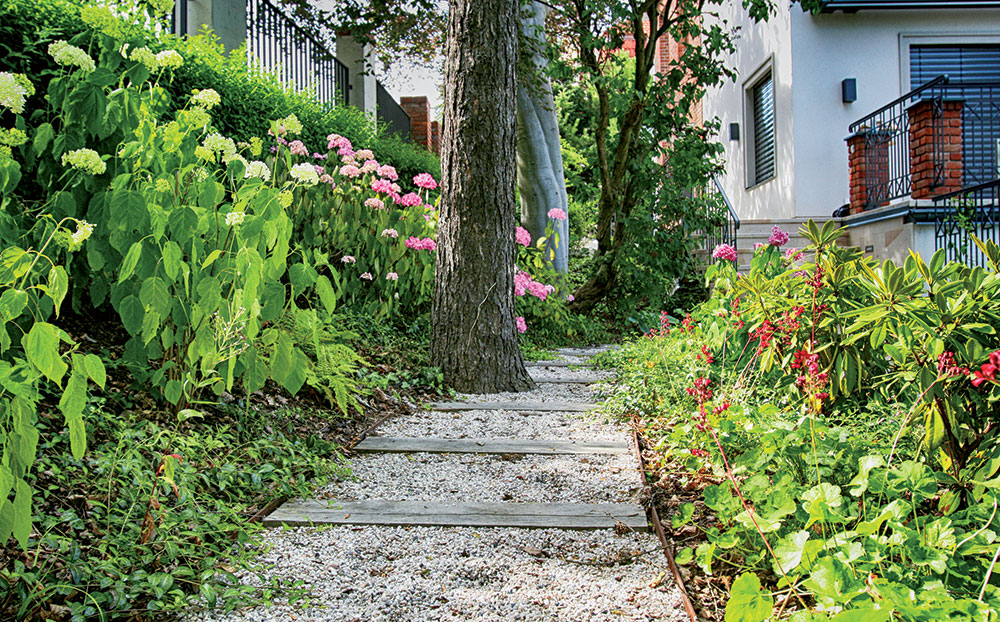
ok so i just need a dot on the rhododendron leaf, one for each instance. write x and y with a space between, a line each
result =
934 427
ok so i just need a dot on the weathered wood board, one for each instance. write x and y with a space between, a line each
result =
388 444
568 379
429 513
555 364
515 406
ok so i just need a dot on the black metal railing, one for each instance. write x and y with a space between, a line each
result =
727 229
390 113
974 210
276 44
888 151
886 134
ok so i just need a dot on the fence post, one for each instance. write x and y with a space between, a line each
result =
355 56
857 162
419 111
935 147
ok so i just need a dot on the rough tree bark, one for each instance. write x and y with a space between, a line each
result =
540 180
473 335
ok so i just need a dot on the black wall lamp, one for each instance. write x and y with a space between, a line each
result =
734 131
849 90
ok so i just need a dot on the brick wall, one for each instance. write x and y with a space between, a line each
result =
419 110
436 137
935 142
857 158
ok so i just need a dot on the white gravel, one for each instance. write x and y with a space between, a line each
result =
378 573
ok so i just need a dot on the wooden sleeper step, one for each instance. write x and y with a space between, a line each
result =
388 444
515 406
436 514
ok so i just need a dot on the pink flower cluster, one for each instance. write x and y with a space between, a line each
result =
389 172
410 200
425 244
522 326
726 252
557 214
425 181
297 148
522 237
778 237
524 284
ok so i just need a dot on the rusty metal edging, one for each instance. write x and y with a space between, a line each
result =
655 519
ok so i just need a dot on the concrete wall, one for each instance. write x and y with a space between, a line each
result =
227 18
815 53
767 43
873 48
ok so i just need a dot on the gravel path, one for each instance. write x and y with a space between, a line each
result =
377 573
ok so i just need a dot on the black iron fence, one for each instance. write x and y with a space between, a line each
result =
390 113
276 44
727 229
959 215
889 139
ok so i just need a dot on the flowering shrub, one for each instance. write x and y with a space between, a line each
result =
768 389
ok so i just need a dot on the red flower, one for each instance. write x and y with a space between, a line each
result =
988 371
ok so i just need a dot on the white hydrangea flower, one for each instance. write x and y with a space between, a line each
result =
256 168
145 56
83 231
235 218
217 143
86 160
285 198
12 92
66 54
169 59
206 98
292 124
305 174
161 7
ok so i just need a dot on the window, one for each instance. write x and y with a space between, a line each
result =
761 146
962 63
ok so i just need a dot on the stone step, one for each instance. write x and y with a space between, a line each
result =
555 364
568 379
515 406
588 351
390 444
432 514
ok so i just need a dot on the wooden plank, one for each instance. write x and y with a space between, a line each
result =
515 406
586 351
555 364
389 444
568 379
431 513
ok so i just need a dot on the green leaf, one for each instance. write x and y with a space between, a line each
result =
12 304
934 427
189 413
130 261
150 326
686 556
867 614
72 403
324 289
58 285
132 314
22 513
173 391
789 550
683 516
287 365
154 294
211 258
172 258
95 369
14 264
43 135
865 465
747 602
41 346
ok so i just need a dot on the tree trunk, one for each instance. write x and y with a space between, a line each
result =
473 335
540 180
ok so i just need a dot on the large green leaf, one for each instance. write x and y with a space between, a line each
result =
58 285
172 257
130 261
41 346
747 602
72 403
132 314
14 263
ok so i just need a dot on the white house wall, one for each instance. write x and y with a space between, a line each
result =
867 46
815 53
757 45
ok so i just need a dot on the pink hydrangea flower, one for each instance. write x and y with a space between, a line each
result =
281 141
425 244
364 154
297 148
382 186
336 141
570 298
424 180
349 170
538 290
391 276
521 281
725 251
389 172
410 200
319 169
778 237
348 159
374 203
557 214
325 178
347 259
319 156
370 166
390 233
346 151
521 324
366 276
521 236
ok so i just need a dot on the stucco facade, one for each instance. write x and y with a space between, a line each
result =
810 55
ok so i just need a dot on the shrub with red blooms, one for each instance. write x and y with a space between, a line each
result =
987 371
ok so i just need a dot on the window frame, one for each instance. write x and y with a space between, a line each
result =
766 70
907 39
